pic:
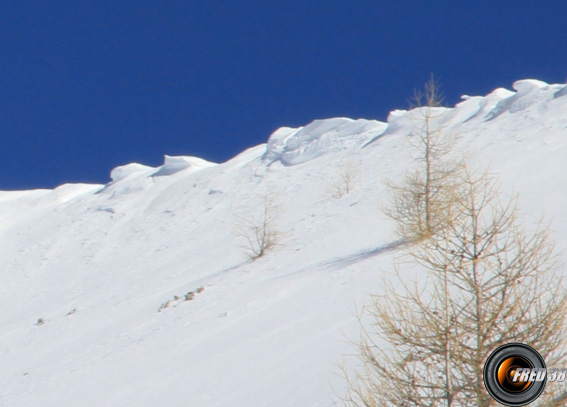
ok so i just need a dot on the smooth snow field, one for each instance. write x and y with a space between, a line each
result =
140 293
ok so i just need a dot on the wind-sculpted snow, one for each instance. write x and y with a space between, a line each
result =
296 146
528 92
561 92
84 269
128 170
175 164
132 178
485 105
170 166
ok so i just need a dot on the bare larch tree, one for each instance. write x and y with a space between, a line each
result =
486 281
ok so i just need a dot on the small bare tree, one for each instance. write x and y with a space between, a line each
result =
344 181
260 231
421 203
490 282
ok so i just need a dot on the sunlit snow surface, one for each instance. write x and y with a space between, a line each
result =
85 268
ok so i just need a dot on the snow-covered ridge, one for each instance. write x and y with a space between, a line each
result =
292 146
528 93
295 146
170 166
138 292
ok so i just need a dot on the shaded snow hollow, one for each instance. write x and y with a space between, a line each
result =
138 292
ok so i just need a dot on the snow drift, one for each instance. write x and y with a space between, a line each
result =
86 268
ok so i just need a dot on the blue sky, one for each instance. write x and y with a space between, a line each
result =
87 86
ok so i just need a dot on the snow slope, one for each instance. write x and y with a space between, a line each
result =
94 277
